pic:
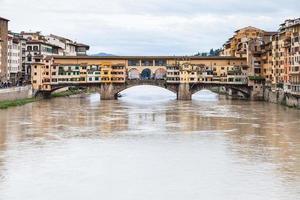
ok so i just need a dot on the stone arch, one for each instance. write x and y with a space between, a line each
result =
47 93
160 73
133 74
117 93
146 74
244 91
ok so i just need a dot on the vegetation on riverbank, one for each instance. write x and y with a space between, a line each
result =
69 92
14 103
20 102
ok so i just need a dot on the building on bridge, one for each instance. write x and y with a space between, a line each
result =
113 73
56 70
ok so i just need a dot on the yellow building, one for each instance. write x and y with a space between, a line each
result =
68 70
106 69
237 45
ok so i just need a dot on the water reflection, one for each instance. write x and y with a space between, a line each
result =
147 95
205 95
162 149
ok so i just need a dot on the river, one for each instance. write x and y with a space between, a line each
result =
148 146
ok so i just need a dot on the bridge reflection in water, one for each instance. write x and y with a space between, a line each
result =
147 94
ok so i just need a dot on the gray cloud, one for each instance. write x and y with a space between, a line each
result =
147 26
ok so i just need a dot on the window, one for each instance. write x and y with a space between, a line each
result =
133 62
160 62
35 48
147 62
29 48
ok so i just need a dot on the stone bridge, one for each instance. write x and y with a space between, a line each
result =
184 91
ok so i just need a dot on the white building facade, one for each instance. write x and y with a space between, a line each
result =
14 59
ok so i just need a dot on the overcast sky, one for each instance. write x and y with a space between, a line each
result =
147 27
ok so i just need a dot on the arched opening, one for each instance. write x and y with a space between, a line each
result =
146 93
133 74
206 95
60 89
146 74
160 74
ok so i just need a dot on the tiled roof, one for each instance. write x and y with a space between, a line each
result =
151 57
3 19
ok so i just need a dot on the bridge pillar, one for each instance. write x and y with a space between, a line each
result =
42 94
257 93
184 92
107 92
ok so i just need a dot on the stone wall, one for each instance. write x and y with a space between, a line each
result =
257 93
15 93
280 97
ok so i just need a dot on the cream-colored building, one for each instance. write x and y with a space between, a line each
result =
251 43
68 70
237 45
14 58
285 53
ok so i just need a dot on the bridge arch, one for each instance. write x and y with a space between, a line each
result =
223 89
47 94
133 74
160 73
146 74
117 89
118 94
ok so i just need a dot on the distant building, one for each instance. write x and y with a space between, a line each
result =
81 49
237 45
273 57
3 48
14 58
38 47
69 47
286 55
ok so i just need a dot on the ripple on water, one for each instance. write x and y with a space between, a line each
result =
149 146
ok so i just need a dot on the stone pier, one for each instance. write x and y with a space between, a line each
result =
107 92
184 92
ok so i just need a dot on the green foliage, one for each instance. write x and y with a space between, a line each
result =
256 78
20 102
14 103
212 52
67 93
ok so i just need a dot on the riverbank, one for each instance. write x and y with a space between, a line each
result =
20 102
14 103
282 98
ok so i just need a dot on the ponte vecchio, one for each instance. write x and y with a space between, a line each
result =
112 74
